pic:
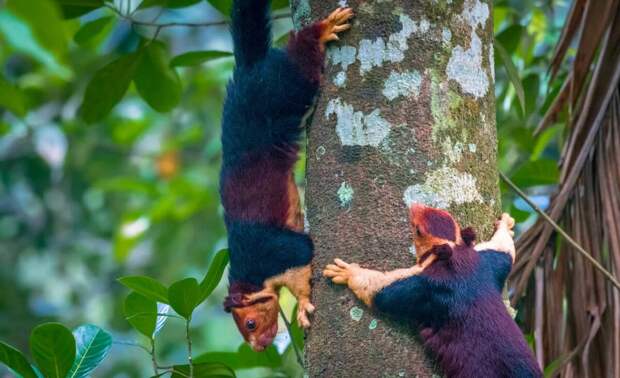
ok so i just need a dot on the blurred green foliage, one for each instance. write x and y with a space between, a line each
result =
109 163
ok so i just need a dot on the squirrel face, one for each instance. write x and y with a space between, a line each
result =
258 322
434 231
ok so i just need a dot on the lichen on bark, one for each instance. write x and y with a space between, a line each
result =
398 120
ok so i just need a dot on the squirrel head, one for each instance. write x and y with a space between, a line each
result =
256 316
436 232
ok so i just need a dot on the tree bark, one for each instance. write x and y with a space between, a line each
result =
407 113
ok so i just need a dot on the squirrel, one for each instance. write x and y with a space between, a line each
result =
270 93
453 294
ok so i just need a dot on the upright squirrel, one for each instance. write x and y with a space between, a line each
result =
453 294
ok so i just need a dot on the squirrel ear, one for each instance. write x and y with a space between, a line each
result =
469 236
443 252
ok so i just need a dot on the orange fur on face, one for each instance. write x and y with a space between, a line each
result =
258 322
432 227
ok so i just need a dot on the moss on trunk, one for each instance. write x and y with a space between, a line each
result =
406 113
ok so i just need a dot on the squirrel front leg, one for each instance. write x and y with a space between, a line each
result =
365 283
297 280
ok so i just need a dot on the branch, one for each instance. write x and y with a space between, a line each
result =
159 26
288 328
555 226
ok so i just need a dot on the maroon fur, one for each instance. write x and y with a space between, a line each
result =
257 190
443 252
236 293
304 48
469 236
440 224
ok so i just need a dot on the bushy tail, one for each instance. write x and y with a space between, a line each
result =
251 30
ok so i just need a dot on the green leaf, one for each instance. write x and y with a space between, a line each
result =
552 367
297 334
15 360
214 274
539 172
53 348
93 345
184 296
211 370
90 30
44 20
12 98
513 75
141 313
543 140
76 8
244 358
167 3
195 58
107 87
510 37
147 287
158 83
223 6
279 4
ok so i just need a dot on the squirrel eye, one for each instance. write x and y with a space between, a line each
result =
417 232
250 325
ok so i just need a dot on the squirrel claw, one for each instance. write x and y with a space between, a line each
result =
304 308
335 23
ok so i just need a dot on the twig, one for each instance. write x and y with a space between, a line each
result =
555 226
189 349
288 328
129 18
153 358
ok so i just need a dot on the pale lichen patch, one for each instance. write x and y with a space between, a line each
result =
444 187
344 55
340 79
406 84
302 15
356 313
345 194
465 66
354 128
373 324
374 53
446 35
453 151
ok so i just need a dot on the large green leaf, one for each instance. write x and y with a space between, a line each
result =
279 4
184 296
146 286
214 274
167 3
12 98
158 83
244 358
210 370
224 6
512 73
93 345
44 20
76 8
107 87
141 313
15 361
91 29
53 348
539 172
195 58
510 37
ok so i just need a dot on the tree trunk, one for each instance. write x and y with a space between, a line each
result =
407 113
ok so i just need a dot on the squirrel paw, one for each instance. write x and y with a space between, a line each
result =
507 222
304 308
340 272
335 23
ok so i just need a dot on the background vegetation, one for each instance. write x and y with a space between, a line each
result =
109 162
